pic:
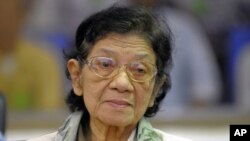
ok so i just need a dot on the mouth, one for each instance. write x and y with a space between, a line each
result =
119 103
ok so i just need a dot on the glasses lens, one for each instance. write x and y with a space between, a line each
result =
141 71
107 67
103 66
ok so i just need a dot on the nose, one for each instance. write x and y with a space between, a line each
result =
121 82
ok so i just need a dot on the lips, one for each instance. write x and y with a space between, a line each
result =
119 103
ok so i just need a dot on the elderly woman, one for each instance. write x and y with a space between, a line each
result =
119 73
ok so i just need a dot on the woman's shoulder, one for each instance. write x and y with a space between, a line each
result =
47 137
170 137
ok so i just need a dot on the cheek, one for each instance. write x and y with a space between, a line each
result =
92 91
143 98
147 90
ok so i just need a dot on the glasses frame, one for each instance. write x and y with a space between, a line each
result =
120 67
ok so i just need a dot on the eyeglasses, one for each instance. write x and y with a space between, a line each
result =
106 67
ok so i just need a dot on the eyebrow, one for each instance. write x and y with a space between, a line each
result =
141 56
136 56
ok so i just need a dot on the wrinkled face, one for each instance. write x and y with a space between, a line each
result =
117 101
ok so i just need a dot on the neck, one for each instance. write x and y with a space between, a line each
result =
103 132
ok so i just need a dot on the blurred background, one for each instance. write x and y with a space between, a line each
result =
210 77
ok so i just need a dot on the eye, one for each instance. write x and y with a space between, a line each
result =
104 63
138 69
141 70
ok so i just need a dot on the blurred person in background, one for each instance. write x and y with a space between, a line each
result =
242 80
195 75
58 14
29 75
1 137
227 29
239 57
119 70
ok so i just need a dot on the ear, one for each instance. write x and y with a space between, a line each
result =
156 89
75 75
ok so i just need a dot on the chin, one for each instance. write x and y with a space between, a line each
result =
114 120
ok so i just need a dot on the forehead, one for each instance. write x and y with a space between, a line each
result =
125 44
128 40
